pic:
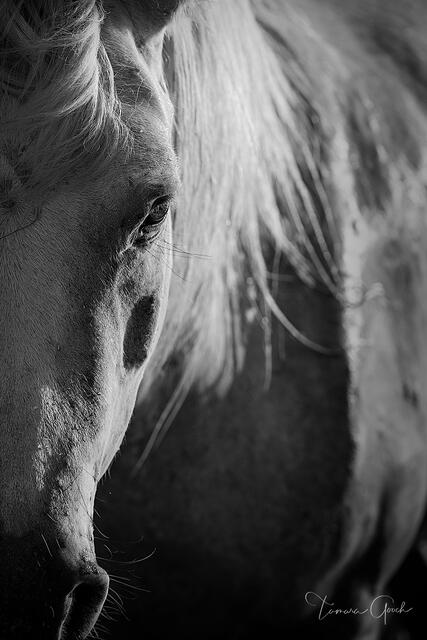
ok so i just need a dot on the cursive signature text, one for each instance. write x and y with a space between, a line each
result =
380 608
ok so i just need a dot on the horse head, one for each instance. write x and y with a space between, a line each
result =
87 177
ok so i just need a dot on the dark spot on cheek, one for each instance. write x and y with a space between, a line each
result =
140 332
410 396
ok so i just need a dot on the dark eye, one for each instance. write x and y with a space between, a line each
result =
158 212
152 224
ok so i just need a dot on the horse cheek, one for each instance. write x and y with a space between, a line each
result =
145 316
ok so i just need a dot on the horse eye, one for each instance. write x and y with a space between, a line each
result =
158 212
151 226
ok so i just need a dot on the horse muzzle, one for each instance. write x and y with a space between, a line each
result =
48 591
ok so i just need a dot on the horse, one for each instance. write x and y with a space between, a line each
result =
294 471
219 202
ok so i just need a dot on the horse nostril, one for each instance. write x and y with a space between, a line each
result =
87 600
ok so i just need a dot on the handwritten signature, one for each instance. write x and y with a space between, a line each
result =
380 608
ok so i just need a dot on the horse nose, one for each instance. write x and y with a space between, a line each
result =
84 602
53 591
